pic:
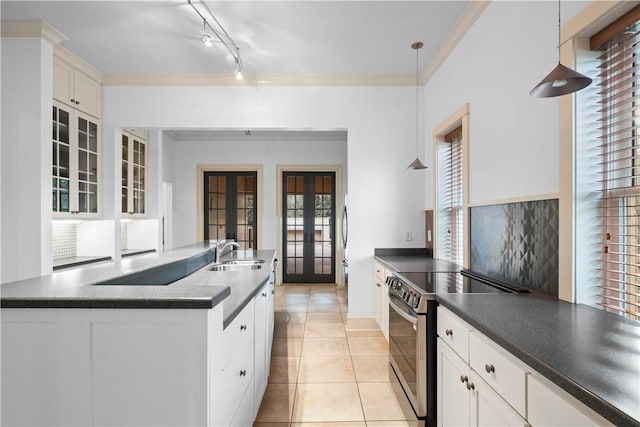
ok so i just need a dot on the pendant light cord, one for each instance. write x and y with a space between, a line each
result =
558 31
417 104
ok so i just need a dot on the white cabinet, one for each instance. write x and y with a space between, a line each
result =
381 299
549 405
264 319
481 384
76 162
134 173
75 88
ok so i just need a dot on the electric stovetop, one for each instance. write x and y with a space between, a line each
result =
464 282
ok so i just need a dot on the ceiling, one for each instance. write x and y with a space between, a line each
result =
285 38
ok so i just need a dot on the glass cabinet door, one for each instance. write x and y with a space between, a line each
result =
61 163
87 165
134 165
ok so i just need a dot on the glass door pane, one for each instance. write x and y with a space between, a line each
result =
61 164
87 166
294 234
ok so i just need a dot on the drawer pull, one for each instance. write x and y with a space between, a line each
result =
448 332
470 386
489 368
243 373
264 294
243 327
464 379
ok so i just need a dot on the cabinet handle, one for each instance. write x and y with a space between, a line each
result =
489 368
243 327
378 284
243 373
73 101
470 386
448 332
77 102
264 294
464 379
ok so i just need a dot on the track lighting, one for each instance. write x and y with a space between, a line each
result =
205 38
216 30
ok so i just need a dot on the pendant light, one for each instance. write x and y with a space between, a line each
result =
417 164
561 80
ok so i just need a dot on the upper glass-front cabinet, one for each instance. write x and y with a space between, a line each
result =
76 148
134 172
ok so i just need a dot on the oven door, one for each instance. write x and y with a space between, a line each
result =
407 353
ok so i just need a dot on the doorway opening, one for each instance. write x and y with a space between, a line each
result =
308 226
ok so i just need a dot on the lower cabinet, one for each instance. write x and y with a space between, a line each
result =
481 384
381 299
160 367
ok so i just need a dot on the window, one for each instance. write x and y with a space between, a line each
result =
450 197
617 160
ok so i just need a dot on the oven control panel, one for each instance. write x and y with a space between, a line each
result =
404 291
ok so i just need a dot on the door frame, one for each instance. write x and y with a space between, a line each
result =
201 169
339 251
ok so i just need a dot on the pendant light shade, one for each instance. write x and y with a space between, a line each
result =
561 80
417 164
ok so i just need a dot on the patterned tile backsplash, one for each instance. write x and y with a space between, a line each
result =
63 240
517 243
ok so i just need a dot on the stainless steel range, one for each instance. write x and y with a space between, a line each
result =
412 334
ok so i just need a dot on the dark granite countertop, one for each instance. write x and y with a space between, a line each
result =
202 289
591 354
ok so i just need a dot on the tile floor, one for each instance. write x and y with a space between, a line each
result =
322 375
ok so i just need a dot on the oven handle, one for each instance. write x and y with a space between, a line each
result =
405 316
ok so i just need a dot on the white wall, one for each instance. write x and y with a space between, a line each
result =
384 198
27 90
513 136
268 153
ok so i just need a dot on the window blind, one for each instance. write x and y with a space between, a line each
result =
451 201
618 162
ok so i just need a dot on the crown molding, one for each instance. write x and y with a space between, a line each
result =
465 21
256 80
35 28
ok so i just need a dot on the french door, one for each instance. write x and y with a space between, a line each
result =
308 227
230 201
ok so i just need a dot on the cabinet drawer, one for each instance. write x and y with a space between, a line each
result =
499 369
380 272
454 332
549 405
237 334
232 383
245 415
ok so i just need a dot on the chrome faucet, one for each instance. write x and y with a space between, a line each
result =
219 249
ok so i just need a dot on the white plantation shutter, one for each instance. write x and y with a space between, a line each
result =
618 161
450 204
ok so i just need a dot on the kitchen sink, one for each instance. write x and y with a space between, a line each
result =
238 265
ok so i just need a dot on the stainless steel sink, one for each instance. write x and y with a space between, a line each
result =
238 265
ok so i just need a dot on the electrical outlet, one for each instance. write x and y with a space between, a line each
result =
408 235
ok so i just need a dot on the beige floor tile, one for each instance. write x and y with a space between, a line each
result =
286 347
279 290
277 403
292 298
327 402
379 402
365 333
288 316
284 370
325 347
327 369
271 424
323 299
313 318
292 308
338 424
371 369
368 346
315 307
288 330
391 424
297 290
324 330
344 308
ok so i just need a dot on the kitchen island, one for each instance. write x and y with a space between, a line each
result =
592 355
192 352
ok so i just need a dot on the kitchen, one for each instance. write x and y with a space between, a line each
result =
380 135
